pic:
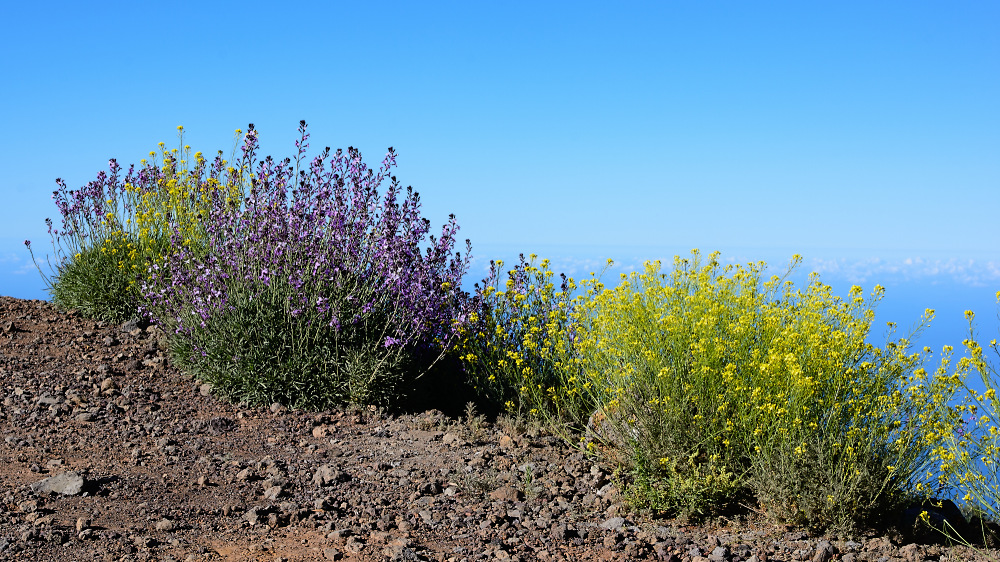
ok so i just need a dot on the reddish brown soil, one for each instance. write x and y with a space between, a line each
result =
170 472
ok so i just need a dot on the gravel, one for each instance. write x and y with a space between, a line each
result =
109 453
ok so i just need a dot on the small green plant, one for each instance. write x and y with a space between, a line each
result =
479 484
528 484
689 490
474 422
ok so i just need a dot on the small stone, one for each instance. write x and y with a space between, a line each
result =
327 475
613 524
165 525
824 552
273 492
84 417
66 484
110 341
507 494
107 384
320 431
719 554
253 515
81 524
332 554
354 546
506 442
911 552
277 408
205 389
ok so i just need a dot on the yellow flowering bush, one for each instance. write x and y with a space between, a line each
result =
968 456
718 382
123 222
519 339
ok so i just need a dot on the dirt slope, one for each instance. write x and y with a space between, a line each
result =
108 453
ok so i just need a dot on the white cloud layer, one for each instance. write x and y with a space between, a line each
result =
861 271
972 272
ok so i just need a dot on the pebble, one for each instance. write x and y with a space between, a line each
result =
507 494
66 484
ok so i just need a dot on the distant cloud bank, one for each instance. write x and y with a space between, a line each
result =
861 271
972 272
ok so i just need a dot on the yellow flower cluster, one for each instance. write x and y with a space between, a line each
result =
712 369
132 226
751 368
181 197
517 347
138 227
968 454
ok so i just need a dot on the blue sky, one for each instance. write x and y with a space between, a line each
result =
865 136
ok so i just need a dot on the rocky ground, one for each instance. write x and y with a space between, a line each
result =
109 453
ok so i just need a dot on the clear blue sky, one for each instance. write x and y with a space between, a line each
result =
863 135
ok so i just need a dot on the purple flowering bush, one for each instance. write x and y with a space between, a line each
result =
316 290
